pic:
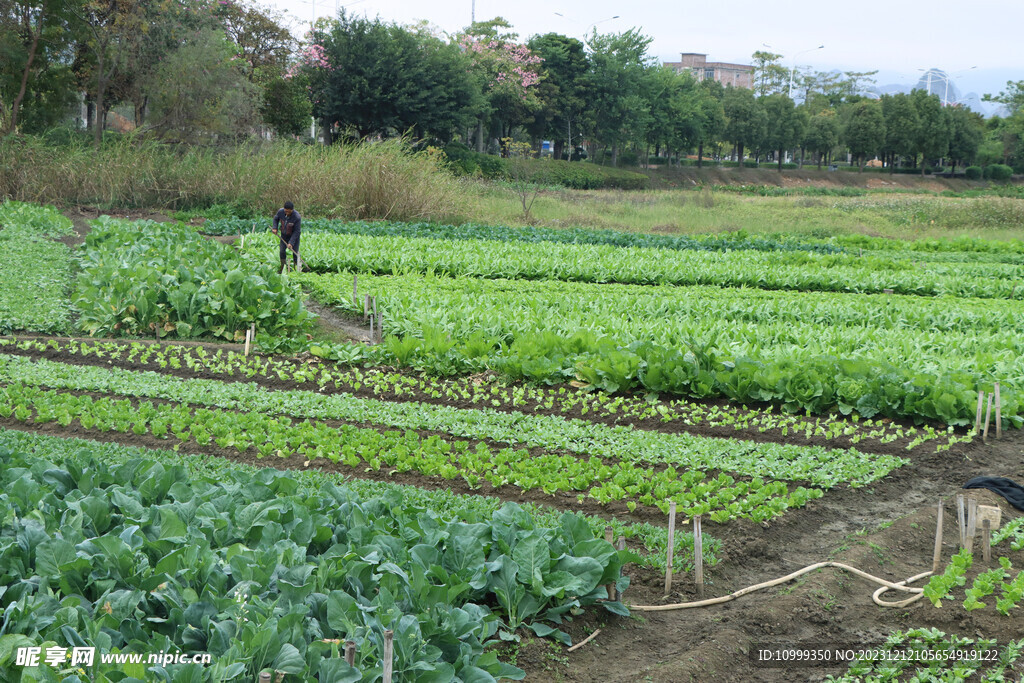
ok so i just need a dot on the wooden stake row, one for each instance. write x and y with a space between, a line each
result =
993 400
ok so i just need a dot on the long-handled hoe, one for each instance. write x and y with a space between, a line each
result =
298 259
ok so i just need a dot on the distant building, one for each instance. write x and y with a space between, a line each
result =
738 75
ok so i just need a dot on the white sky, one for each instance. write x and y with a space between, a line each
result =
897 37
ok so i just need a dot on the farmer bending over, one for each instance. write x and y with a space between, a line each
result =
290 223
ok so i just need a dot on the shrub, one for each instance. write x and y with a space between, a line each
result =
973 172
1000 173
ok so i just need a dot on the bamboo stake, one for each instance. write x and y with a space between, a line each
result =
972 523
988 416
999 414
698 556
372 337
366 305
937 556
981 405
350 652
374 305
610 587
986 541
252 335
961 520
389 644
671 547
248 339
380 327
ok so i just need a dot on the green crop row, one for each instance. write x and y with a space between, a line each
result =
490 391
721 497
260 571
650 541
954 248
532 234
35 268
912 333
578 341
802 271
159 280
819 466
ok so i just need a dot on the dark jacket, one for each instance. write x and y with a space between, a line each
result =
290 226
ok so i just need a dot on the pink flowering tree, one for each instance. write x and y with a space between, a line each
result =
508 73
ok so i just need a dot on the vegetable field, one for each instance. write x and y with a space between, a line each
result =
490 484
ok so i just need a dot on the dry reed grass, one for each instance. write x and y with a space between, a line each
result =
367 181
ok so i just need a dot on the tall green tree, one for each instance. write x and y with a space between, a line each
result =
901 124
109 30
382 79
770 76
967 131
564 87
822 134
672 104
266 45
203 90
933 129
35 54
865 130
710 116
785 124
619 64
745 119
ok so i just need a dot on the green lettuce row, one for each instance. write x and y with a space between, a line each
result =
258 571
35 269
153 279
490 391
722 497
802 271
929 335
532 235
820 466
797 381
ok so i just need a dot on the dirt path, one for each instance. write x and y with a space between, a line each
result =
334 324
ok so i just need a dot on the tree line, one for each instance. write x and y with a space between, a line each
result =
197 70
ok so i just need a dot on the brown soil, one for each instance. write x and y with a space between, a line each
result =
335 325
81 215
886 529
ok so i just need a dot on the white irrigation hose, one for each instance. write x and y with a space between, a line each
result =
886 585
